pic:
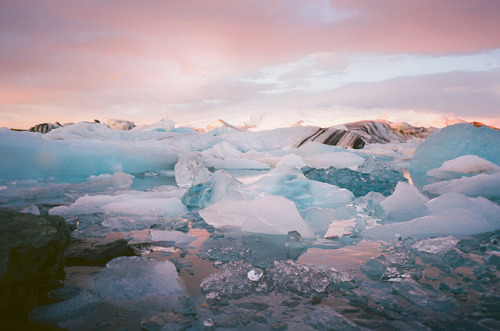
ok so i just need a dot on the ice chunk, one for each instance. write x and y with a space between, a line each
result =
315 148
269 214
451 142
233 163
438 246
223 150
291 183
480 185
318 218
338 229
292 161
456 222
255 274
466 164
220 186
131 277
190 171
405 203
177 236
78 156
482 206
144 205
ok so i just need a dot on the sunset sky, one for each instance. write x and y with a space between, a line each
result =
267 63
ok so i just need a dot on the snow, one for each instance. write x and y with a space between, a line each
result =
268 214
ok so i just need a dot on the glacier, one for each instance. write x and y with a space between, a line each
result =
369 224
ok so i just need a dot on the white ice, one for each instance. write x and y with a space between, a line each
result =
480 185
267 214
405 203
136 204
466 164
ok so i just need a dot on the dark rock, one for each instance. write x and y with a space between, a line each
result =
31 261
89 251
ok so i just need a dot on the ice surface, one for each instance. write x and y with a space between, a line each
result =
223 150
457 222
466 164
292 161
78 156
337 160
131 277
165 125
190 171
268 214
177 236
318 218
291 183
139 204
220 186
439 245
405 203
480 205
480 185
450 143
233 163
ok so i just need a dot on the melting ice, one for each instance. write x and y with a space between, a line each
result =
219 245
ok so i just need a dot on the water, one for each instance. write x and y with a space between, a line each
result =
232 280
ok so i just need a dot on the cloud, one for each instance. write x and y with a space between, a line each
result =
60 57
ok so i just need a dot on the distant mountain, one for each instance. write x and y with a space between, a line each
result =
357 134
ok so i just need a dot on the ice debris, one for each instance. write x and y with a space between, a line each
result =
440 245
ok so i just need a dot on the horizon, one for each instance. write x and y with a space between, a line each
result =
255 64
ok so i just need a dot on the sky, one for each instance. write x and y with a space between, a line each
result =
253 63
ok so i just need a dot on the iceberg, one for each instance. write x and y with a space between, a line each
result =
268 214
292 184
450 143
74 158
190 171
219 187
